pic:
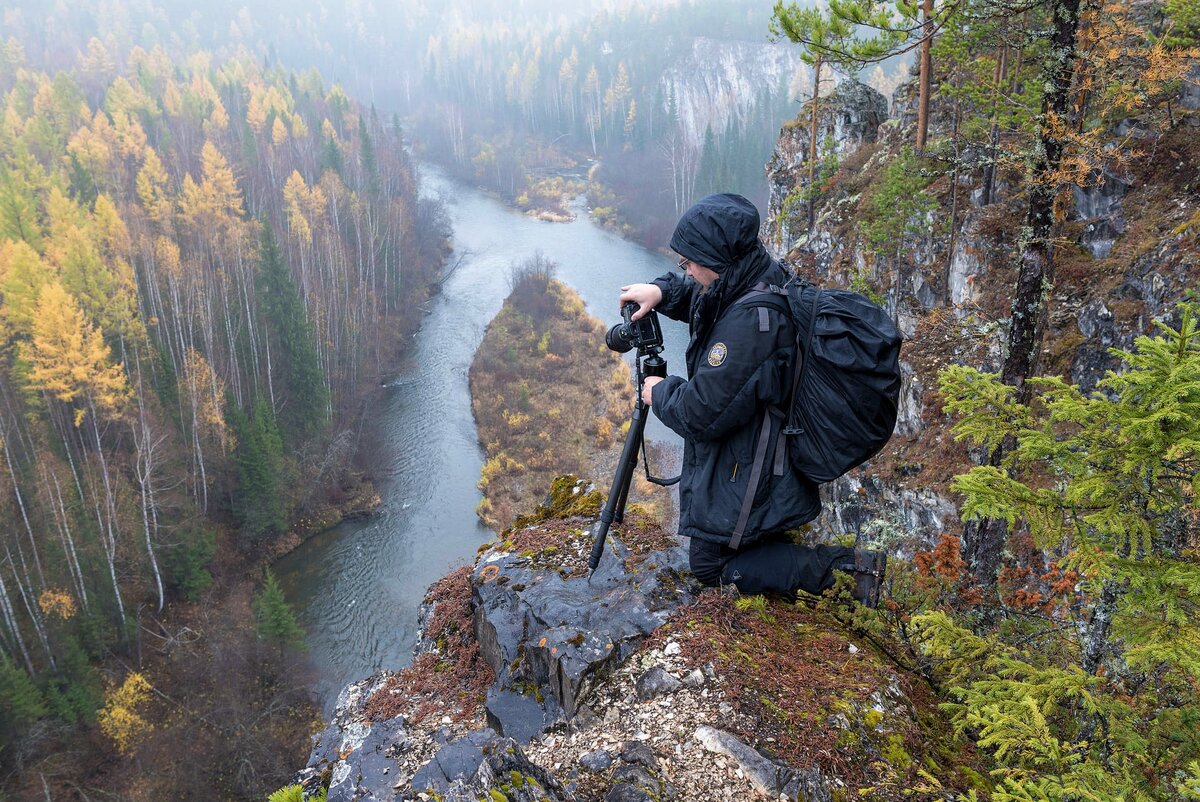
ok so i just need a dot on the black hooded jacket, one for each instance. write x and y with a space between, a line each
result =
739 362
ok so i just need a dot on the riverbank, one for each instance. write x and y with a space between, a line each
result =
546 400
356 587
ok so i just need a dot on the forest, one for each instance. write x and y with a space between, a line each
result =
211 252
205 262
653 103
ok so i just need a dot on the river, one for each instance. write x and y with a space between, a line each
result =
356 587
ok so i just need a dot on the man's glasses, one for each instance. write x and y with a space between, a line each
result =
682 264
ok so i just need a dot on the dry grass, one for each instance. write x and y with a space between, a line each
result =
549 398
452 681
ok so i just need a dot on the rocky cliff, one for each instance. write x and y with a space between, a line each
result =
1129 252
535 682
720 79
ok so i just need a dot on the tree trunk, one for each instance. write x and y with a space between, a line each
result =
10 620
925 74
144 445
110 505
989 169
984 544
814 107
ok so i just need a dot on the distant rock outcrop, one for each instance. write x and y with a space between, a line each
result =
848 118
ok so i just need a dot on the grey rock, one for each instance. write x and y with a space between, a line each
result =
515 715
633 774
1191 90
766 775
585 718
624 792
468 768
656 682
364 774
563 634
1092 359
807 785
856 503
850 117
454 761
639 753
325 746
596 761
694 678
1099 206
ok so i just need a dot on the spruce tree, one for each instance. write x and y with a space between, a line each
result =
20 702
276 621
367 160
305 404
259 504
1106 483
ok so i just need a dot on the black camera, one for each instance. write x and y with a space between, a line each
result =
641 334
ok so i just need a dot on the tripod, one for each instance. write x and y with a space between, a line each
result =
647 363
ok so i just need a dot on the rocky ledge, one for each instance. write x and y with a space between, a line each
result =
535 682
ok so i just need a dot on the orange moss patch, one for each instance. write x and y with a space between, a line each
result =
452 681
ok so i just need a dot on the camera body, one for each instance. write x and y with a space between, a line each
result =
643 334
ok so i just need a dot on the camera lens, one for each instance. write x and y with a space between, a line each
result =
618 339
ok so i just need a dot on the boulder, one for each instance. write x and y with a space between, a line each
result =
557 635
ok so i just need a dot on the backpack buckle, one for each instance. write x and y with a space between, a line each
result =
792 430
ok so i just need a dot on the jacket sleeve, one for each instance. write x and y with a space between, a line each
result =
677 296
750 371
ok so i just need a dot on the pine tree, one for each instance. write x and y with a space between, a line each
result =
276 621
258 503
305 407
827 38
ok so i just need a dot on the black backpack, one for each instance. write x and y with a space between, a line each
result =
845 380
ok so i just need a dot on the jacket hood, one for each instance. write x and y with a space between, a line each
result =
717 232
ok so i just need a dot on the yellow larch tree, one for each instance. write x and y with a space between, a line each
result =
69 359
279 132
95 146
22 276
295 196
209 205
153 190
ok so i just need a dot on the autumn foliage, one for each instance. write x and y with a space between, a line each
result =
549 397
203 264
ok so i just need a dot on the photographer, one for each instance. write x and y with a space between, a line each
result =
738 359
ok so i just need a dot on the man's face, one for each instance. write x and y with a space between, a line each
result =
699 273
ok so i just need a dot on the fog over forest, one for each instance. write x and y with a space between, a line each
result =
673 99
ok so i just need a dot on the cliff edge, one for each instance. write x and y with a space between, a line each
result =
534 682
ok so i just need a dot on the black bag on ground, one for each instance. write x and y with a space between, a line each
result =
845 380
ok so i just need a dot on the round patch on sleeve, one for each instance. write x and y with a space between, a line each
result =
717 354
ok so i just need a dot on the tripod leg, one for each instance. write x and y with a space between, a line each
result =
614 505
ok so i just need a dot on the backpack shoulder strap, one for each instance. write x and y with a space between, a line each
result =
795 422
765 296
